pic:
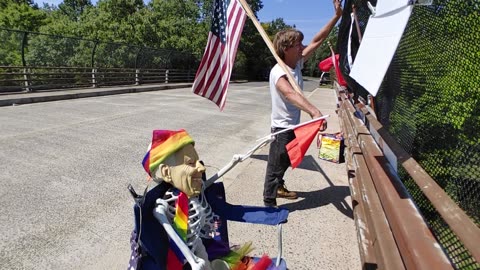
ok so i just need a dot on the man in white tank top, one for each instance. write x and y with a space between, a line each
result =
287 103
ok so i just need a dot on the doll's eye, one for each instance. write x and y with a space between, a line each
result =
189 161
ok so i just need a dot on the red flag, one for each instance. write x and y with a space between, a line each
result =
213 74
304 136
326 64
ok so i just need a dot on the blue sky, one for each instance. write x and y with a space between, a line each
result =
307 15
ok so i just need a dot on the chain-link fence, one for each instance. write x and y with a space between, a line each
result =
35 61
430 102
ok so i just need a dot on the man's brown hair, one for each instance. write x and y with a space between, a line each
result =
286 39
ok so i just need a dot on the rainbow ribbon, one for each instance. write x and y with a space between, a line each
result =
175 258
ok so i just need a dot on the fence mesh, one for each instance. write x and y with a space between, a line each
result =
430 103
59 51
41 61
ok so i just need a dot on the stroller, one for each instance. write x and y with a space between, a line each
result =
150 242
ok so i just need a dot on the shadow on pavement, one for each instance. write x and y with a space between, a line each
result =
331 195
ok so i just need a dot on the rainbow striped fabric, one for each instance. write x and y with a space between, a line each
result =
180 221
164 143
175 258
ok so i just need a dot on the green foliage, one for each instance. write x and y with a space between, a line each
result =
10 50
439 64
311 66
21 16
166 24
436 116
74 8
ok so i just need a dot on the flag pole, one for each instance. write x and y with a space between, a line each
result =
269 43
263 142
359 33
297 126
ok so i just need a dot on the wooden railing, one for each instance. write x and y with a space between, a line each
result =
18 78
391 230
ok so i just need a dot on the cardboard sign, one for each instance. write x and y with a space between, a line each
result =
331 147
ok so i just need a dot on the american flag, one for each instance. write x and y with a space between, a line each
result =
213 74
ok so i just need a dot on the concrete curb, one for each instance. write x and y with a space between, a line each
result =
26 98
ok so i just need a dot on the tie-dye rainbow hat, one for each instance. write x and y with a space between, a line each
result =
164 143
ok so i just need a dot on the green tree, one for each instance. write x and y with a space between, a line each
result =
21 15
112 21
73 9
440 94
180 28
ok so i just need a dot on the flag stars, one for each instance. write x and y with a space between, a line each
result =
219 20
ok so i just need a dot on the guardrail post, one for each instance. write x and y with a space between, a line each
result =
26 70
94 70
94 81
166 76
137 76
26 79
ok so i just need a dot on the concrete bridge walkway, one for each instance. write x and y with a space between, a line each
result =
320 233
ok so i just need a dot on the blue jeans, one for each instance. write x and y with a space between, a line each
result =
278 163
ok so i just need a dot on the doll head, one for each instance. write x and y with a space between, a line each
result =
172 158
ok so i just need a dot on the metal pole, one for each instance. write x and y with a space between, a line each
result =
359 32
26 71
94 70
137 70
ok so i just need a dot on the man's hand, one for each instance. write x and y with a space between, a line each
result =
323 127
337 4
317 114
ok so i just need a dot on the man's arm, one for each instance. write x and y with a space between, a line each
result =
298 100
320 37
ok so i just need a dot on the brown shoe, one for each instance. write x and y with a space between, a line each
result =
283 192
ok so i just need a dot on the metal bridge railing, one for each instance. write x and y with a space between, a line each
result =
392 232
32 61
428 114
30 78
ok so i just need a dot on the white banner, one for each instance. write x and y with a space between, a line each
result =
379 43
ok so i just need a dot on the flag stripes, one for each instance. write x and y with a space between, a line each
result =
213 75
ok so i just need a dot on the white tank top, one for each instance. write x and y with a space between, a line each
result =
284 114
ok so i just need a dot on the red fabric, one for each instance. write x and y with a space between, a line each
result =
173 263
263 263
304 136
326 64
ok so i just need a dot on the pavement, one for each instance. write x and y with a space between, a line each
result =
320 233
12 99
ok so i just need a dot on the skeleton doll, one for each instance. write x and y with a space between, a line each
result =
172 158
